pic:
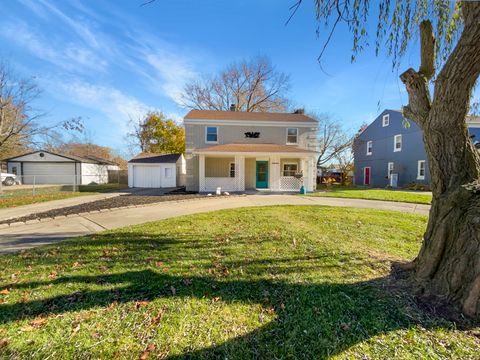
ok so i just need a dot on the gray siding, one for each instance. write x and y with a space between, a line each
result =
235 134
405 161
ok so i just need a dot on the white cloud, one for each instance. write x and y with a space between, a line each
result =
68 56
118 107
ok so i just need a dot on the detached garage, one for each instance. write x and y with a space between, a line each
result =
45 167
156 171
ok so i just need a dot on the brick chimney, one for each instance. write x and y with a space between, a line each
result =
299 111
233 107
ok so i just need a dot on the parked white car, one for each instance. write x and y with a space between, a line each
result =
8 179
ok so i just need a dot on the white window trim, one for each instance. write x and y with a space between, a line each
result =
387 118
371 150
395 143
421 177
286 139
364 173
206 132
288 163
388 168
230 170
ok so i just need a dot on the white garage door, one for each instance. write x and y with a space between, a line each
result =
48 173
154 176
146 176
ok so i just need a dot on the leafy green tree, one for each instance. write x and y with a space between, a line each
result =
157 134
448 264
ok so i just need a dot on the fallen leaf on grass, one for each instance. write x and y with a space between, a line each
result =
3 343
146 353
39 322
76 264
76 329
112 306
141 303
5 292
52 275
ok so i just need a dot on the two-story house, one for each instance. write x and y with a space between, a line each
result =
240 151
390 151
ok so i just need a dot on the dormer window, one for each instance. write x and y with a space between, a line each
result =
211 134
292 136
397 143
369 147
386 120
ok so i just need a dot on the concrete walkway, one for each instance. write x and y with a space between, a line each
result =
20 237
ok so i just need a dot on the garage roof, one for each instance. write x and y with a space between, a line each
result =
83 159
149 158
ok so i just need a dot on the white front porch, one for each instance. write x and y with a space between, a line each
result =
240 172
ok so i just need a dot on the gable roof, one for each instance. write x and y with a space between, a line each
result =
85 159
253 148
248 116
151 158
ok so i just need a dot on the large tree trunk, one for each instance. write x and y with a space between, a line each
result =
448 264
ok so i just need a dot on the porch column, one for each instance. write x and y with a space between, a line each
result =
240 173
201 173
303 169
275 173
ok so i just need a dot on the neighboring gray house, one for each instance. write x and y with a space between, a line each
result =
388 152
239 151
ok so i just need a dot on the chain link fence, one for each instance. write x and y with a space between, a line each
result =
47 185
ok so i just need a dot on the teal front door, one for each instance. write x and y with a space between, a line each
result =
262 175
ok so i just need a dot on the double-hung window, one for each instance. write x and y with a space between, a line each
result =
386 120
232 170
369 147
421 170
211 134
397 143
292 136
290 169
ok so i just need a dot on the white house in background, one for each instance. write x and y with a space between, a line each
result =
240 151
45 167
157 171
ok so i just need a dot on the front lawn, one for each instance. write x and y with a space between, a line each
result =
266 283
11 196
375 194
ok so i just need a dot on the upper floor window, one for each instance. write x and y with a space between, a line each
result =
386 120
211 134
292 136
369 147
391 166
397 143
232 170
421 170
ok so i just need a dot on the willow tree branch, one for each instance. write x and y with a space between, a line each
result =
416 83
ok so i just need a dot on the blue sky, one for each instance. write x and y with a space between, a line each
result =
107 61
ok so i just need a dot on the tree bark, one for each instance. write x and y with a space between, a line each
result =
448 264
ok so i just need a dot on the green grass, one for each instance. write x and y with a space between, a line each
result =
271 283
11 197
375 194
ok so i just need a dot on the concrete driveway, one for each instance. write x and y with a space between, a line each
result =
14 238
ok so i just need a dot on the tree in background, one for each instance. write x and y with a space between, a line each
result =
157 134
253 85
20 127
332 139
448 264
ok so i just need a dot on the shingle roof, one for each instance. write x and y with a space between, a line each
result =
84 159
253 148
247 116
150 158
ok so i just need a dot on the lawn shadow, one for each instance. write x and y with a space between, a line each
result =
311 319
